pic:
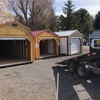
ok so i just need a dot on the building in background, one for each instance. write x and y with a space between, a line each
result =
94 41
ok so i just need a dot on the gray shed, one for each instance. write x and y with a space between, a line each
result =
70 42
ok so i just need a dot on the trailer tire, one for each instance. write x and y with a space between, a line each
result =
72 66
83 71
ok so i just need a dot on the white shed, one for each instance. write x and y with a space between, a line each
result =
70 42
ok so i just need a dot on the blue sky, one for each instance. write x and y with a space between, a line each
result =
93 6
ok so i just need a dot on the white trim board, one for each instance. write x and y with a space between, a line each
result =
13 39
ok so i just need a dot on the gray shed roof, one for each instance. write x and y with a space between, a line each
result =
67 32
95 34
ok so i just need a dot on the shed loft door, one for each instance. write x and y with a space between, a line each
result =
63 46
75 45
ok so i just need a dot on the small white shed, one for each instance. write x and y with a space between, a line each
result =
71 42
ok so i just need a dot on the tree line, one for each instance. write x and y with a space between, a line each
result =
40 14
80 19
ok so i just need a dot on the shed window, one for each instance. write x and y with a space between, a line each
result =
96 43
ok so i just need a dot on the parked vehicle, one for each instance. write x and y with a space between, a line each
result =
84 64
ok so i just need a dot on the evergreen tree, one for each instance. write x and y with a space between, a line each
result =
97 21
85 25
68 11
62 23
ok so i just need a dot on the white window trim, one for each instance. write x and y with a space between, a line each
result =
92 44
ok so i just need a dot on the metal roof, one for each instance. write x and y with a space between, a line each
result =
95 34
66 33
35 33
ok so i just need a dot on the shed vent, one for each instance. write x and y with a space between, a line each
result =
15 25
48 31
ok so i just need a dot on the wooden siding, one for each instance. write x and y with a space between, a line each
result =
47 36
15 48
76 34
22 48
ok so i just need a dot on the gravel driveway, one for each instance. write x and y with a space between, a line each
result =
37 81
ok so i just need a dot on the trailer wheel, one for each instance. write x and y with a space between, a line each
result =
72 66
83 71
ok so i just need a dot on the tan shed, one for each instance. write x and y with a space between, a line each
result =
46 43
16 44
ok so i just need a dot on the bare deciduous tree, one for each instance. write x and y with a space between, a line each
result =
40 12
20 8
5 15
36 13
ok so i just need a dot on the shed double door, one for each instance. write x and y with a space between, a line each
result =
75 45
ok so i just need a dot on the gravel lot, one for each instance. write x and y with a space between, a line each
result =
37 81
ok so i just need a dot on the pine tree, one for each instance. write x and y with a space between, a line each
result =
68 10
85 24
97 21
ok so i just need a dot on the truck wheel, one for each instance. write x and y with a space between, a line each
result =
83 71
72 66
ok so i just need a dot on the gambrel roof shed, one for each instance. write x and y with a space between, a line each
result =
16 41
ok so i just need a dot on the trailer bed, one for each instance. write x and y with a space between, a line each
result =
83 64
83 57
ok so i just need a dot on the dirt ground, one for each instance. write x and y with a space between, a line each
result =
37 81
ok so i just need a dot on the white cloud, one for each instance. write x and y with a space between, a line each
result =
59 13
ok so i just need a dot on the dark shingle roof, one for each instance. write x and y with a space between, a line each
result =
95 34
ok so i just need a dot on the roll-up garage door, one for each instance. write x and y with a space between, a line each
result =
75 45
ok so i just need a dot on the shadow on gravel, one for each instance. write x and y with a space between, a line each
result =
71 87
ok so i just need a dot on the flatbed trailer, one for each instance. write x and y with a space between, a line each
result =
84 64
